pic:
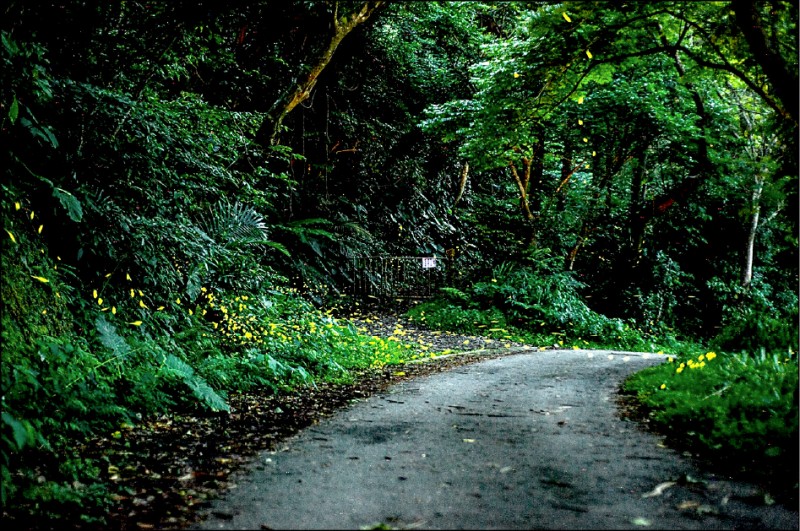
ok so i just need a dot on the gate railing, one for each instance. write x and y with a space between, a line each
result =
397 277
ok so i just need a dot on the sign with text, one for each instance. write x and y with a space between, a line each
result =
428 262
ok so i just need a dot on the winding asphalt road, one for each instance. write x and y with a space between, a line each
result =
530 440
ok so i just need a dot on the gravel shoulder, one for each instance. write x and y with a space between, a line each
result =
524 440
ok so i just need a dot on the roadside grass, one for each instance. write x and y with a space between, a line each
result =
736 409
182 359
595 331
303 344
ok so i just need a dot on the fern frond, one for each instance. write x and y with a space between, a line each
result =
195 382
110 339
310 221
278 246
231 224
320 232
355 228
308 227
454 294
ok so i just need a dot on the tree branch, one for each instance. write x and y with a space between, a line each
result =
342 27
727 66
784 83
523 194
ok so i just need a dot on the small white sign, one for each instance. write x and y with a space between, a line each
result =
428 262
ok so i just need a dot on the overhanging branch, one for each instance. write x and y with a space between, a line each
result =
342 26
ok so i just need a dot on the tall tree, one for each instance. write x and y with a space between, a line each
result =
343 21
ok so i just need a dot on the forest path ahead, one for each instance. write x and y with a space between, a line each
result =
531 440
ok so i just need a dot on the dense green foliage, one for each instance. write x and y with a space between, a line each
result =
184 188
538 303
733 408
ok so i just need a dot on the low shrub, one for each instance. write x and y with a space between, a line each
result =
443 315
740 408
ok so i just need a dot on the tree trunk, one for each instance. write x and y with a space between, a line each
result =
535 192
530 199
270 130
586 229
462 184
522 186
704 166
566 174
536 179
784 82
636 222
755 211
605 169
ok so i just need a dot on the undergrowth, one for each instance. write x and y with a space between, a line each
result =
736 409
86 362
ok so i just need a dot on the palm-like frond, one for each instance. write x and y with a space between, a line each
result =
229 225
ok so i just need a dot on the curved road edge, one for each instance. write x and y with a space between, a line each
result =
528 440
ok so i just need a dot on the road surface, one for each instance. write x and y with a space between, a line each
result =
530 440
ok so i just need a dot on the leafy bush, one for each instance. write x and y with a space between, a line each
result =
278 339
536 302
39 444
753 331
443 315
539 293
737 407
253 370
753 319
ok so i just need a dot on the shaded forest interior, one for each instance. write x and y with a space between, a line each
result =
187 187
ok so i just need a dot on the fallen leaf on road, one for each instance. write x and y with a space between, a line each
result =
688 504
660 488
644 522
379 525
686 479
697 507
